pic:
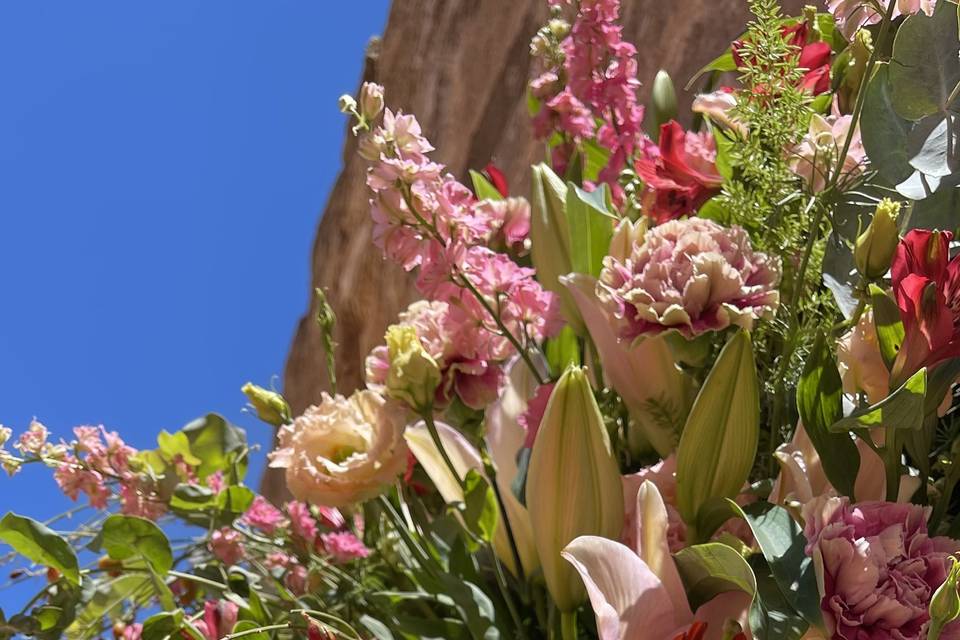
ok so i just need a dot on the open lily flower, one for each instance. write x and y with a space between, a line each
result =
637 593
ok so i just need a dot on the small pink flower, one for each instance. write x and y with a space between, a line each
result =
33 441
343 546
132 631
295 579
877 567
302 524
853 14
73 479
218 619
817 156
263 516
226 544
691 275
215 482
137 499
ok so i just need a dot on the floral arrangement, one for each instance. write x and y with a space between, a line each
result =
699 385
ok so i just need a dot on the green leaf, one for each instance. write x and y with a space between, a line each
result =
820 404
39 544
884 131
247 628
481 509
483 188
719 441
107 602
724 62
192 497
595 159
902 409
563 350
172 445
782 543
162 625
924 69
710 569
131 537
591 228
886 320
771 615
725 145
219 445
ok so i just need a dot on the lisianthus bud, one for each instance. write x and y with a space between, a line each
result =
573 483
945 603
371 100
414 375
875 246
269 405
347 104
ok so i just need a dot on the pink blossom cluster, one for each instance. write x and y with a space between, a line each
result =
324 531
96 463
877 567
425 218
601 86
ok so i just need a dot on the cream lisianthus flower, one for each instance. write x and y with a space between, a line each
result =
342 451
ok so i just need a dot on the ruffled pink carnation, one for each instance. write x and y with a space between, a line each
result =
877 566
226 544
691 275
343 546
263 516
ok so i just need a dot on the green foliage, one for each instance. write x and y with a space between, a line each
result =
713 568
39 544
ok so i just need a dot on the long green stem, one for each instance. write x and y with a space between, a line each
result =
568 625
427 416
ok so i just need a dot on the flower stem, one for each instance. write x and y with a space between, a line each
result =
427 416
568 625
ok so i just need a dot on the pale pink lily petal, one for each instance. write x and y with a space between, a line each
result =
732 605
627 597
652 548
640 372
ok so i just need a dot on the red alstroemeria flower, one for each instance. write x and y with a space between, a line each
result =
680 173
926 284
497 179
814 57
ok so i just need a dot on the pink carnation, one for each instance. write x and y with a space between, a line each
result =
692 275
263 516
877 567
343 546
226 545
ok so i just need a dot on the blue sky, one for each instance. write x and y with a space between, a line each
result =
162 170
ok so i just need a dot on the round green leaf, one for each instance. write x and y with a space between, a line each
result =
130 537
40 544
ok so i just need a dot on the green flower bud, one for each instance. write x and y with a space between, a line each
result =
347 104
945 603
414 375
875 246
269 405
573 484
371 100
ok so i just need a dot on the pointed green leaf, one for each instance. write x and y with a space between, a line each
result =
591 228
886 320
719 441
38 543
481 510
483 188
903 409
820 404
771 615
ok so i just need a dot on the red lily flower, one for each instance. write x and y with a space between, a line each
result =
926 284
680 173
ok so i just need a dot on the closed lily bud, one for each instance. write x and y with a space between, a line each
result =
945 603
875 246
269 405
663 98
371 100
414 375
573 483
627 235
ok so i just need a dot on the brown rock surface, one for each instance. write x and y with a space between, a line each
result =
461 66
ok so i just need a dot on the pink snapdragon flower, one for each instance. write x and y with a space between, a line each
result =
226 544
691 275
343 546
851 15
877 567
263 516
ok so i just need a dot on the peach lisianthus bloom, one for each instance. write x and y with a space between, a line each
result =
817 156
342 451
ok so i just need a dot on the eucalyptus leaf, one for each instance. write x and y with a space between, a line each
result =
771 615
932 145
903 409
884 131
710 569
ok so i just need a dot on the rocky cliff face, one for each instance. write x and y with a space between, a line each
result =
462 67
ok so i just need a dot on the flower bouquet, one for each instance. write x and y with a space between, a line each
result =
698 384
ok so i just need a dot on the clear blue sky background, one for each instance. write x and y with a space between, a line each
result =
162 169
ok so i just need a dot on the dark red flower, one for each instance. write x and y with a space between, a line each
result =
814 57
680 173
497 179
926 284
